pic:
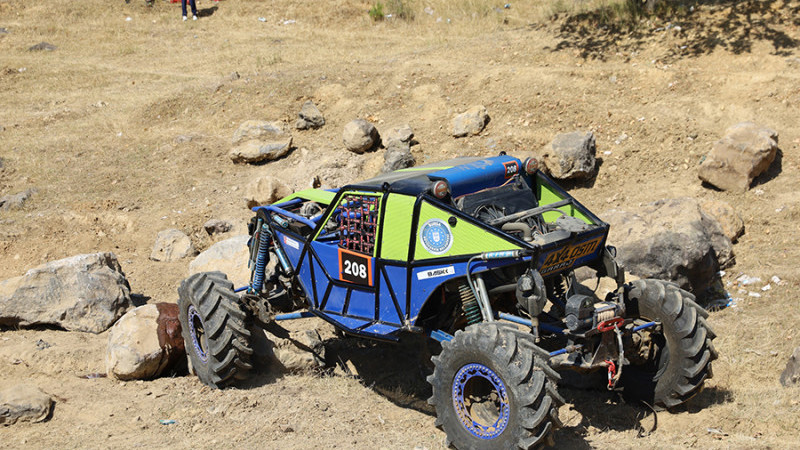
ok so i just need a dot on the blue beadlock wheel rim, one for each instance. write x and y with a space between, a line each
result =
473 379
197 330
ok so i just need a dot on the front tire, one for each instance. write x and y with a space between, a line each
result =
214 329
492 388
675 362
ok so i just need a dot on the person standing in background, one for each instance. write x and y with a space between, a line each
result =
194 9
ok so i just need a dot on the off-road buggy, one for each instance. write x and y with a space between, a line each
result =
478 254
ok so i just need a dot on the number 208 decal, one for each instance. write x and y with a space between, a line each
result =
355 268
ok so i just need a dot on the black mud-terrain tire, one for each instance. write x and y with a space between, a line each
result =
524 417
214 329
676 371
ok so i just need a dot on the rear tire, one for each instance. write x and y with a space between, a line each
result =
214 329
493 389
680 361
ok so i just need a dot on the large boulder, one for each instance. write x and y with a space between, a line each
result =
791 374
309 117
172 245
145 343
470 122
256 141
672 239
229 257
745 152
359 136
265 190
81 293
571 156
24 403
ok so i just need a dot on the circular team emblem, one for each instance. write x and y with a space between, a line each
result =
436 237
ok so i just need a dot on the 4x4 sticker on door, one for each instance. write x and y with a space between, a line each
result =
355 267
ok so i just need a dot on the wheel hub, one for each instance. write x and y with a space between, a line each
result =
197 331
481 401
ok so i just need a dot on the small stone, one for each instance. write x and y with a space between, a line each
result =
470 122
746 151
256 141
791 374
42 46
172 245
265 190
402 133
359 136
217 226
24 403
571 156
398 156
15 201
310 117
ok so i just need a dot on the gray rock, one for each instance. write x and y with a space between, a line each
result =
745 152
359 136
42 46
671 239
138 349
229 257
81 293
258 130
470 122
571 156
791 374
402 133
265 190
255 141
730 221
217 226
15 201
255 151
172 245
398 156
24 403
309 117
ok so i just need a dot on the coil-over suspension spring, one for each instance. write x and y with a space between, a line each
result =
262 259
470 305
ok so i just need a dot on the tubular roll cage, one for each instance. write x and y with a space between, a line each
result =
405 319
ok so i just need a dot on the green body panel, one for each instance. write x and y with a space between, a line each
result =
315 195
547 196
397 226
467 238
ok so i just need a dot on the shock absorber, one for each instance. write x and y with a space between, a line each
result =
262 258
469 304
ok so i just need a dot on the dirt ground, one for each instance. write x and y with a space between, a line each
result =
124 129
